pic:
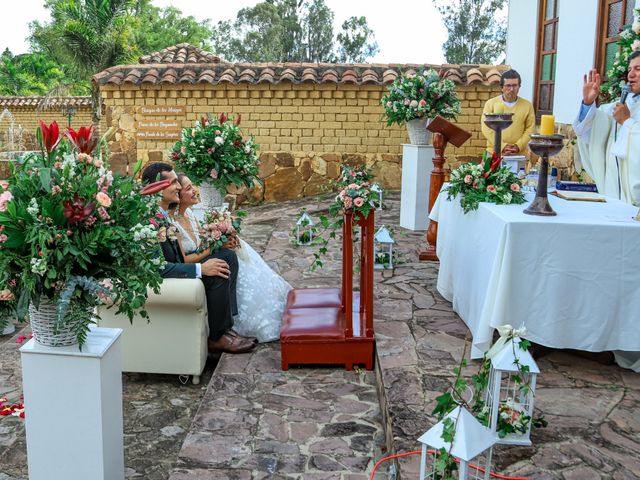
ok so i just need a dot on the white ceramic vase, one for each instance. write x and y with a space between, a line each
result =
210 196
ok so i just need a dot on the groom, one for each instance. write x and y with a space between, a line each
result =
218 274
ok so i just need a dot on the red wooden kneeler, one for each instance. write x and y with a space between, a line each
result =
334 326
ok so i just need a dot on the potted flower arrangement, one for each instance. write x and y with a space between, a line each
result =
486 181
74 233
214 154
414 99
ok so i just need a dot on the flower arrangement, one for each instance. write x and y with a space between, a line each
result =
420 96
72 232
628 43
215 151
219 227
355 195
485 182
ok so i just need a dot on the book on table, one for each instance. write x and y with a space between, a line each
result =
576 186
583 196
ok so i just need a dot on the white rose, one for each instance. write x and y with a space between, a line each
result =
636 27
219 140
413 104
635 46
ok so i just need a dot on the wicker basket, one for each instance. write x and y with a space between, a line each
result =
42 320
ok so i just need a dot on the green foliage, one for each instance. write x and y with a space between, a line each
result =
158 28
68 223
476 33
628 43
425 95
292 31
215 151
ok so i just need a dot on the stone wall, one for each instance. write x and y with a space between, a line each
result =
305 131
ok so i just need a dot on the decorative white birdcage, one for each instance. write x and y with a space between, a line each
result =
383 248
510 394
471 448
304 229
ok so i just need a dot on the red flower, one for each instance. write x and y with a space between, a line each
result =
236 143
204 121
496 161
50 135
155 187
77 210
238 119
223 118
84 139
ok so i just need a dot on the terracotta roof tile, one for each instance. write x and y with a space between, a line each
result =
181 53
44 102
185 63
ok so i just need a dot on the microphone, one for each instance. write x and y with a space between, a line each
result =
626 89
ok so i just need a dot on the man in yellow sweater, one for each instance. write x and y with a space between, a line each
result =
516 137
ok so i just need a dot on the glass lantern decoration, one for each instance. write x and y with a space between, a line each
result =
383 249
510 394
472 442
375 188
304 229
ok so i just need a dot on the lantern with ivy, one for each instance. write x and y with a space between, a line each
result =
383 248
458 447
510 393
304 229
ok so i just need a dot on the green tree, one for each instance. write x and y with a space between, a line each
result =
158 28
355 41
292 31
476 32
32 74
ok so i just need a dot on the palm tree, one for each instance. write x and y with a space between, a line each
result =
91 35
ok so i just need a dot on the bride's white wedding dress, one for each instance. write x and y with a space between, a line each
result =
261 292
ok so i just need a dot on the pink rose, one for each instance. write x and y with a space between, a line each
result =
358 202
216 234
214 173
348 203
422 102
3 238
103 199
5 197
491 189
4 185
468 179
352 186
515 187
85 158
98 163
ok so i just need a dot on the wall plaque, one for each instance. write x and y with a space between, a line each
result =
161 110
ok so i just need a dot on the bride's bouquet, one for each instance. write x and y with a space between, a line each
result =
220 227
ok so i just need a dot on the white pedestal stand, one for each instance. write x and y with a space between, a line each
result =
73 408
417 163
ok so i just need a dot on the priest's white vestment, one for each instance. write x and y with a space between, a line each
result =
610 152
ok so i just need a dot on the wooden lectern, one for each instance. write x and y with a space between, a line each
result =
443 132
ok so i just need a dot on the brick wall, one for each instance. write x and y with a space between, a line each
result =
304 130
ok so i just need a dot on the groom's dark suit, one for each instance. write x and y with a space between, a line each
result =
220 291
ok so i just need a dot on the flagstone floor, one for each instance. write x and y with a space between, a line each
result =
250 420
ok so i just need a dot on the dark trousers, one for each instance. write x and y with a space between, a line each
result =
221 296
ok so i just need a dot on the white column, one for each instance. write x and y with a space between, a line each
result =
73 408
417 163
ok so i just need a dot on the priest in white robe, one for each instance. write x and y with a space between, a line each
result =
609 137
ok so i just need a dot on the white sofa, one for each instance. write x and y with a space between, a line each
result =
174 340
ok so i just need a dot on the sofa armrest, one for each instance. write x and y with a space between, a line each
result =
178 291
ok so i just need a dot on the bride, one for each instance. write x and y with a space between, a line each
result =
261 293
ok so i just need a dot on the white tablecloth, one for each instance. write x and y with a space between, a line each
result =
573 280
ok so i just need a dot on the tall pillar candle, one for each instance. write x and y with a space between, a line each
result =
547 125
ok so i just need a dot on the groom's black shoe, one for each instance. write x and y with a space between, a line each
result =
230 344
233 333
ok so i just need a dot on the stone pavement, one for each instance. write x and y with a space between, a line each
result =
254 421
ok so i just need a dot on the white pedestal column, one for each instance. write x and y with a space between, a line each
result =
417 163
73 408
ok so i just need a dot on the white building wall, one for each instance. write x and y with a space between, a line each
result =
577 24
521 42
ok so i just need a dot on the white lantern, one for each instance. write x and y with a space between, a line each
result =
304 229
472 442
510 394
383 249
375 188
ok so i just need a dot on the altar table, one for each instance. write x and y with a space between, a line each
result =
573 280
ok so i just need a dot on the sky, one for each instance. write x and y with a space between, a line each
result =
407 31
